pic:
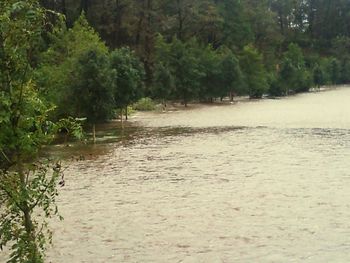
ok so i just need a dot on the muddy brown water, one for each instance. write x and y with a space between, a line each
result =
260 181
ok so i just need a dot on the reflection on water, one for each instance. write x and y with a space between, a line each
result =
265 181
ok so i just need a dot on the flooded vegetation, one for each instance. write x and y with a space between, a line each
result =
260 181
242 157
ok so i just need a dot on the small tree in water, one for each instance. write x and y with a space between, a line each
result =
318 76
294 75
92 87
128 78
255 76
26 186
182 62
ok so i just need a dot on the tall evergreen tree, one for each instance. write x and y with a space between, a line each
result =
255 77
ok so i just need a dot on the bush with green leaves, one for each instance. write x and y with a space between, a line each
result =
27 187
334 71
128 77
341 61
91 87
211 80
319 76
294 76
65 67
255 75
144 104
231 76
163 86
183 64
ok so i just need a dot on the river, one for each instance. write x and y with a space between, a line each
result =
258 181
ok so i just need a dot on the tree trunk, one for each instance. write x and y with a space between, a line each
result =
126 113
139 27
121 117
164 104
94 132
118 16
281 22
231 96
27 211
180 20
149 44
311 17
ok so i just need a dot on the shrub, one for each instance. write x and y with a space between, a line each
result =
145 104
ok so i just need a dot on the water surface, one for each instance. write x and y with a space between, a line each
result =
260 181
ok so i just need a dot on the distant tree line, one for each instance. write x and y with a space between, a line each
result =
64 60
105 54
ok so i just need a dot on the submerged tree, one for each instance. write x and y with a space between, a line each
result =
334 71
255 76
294 76
163 86
210 82
60 70
183 62
91 88
128 78
318 76
231 74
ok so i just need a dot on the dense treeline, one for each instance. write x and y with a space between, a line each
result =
101 56
109 53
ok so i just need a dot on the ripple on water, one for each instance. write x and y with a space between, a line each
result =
260 182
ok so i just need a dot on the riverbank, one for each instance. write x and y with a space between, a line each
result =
258 112
174 106
116 130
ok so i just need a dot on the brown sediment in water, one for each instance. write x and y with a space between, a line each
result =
261 181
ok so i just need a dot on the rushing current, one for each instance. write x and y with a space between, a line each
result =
254 181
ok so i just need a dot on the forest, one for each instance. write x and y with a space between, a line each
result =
108 54
66 61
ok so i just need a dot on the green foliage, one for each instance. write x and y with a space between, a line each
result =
189 71
210 81
21 110
255 76
128 77
221 73
184 64
231 74
319 76
26 187
91 87
205 49
324 66
236 29
275 87
340 50
61 71
144 104
317 27
294 76
163 82
334 71
35 195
